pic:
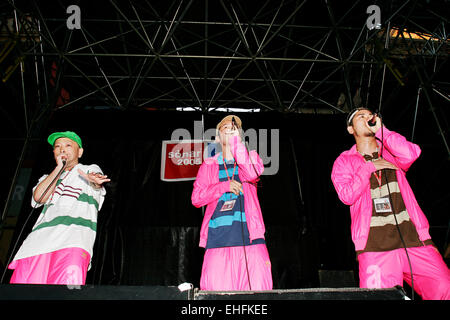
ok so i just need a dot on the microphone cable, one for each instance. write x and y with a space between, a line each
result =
241 211
242 224
254 183
257 180
26 221
393 213
243 244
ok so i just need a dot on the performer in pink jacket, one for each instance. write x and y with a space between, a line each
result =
389 230
232 231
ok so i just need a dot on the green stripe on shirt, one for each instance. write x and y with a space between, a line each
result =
89 199
68 220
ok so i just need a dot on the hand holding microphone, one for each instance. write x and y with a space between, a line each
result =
374 123
235 128
61 160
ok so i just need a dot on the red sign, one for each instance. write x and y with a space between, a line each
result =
180 160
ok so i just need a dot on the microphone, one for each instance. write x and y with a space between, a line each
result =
255 182
64 162
372 121
235 126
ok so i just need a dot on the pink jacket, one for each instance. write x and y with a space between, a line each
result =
351 179
208 189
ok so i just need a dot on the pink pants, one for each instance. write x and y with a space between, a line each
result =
66 266
225 269
431 275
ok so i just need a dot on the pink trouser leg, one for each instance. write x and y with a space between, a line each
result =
225 269
66 266
431 275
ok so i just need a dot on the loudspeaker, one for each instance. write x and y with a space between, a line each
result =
305 294
91 292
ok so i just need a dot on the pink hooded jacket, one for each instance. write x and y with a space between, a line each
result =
351 179
208 189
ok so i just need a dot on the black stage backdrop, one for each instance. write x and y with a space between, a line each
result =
148 230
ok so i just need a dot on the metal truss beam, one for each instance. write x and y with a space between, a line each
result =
209 53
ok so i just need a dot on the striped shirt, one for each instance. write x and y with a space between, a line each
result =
68 218
384 234
228 228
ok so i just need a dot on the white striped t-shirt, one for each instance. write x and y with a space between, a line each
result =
69 217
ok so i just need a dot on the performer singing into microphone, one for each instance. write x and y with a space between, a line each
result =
389 230
59 248
232 231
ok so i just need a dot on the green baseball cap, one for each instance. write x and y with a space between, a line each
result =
66 134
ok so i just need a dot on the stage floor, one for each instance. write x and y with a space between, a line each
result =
106 292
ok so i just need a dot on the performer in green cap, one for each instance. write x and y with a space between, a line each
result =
59 248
